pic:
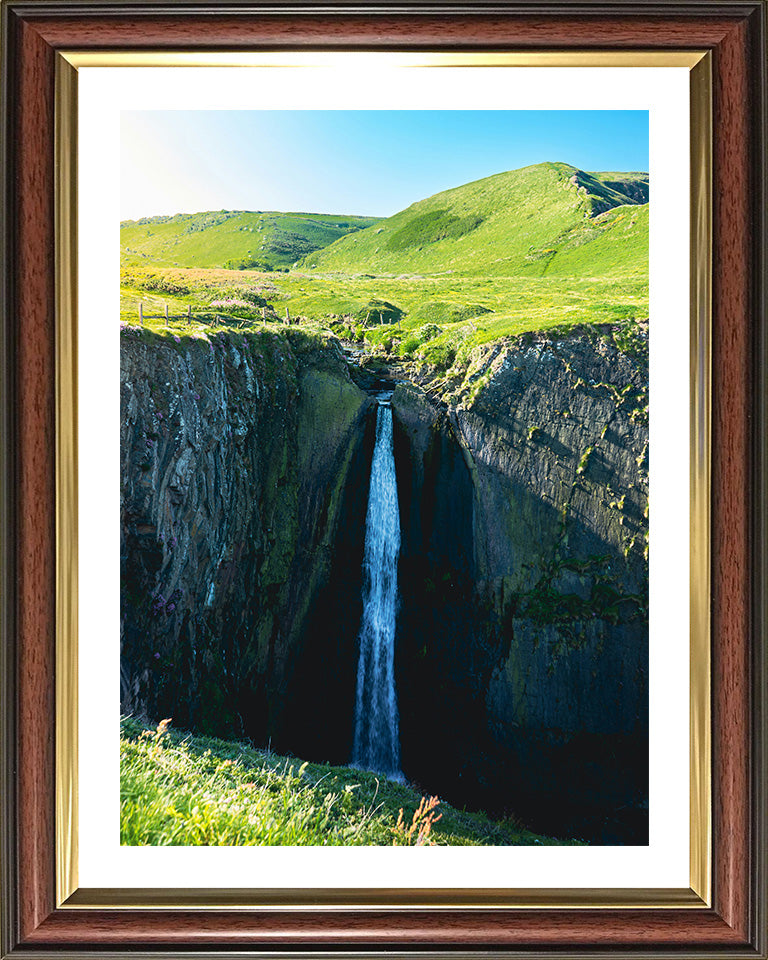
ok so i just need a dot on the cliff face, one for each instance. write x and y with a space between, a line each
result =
235 452
528 511
522 631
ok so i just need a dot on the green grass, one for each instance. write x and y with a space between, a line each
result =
236 238
444 317
180 789
528 222
546 247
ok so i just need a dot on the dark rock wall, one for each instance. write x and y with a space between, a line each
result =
235 452
321 695
522 628
540 632
638 190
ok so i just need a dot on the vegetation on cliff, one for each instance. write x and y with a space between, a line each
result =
180 789
443 318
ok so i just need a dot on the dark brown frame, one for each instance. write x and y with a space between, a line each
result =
735 33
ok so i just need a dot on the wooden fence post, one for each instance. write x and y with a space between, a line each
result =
141 313
189 314
287 315
166 313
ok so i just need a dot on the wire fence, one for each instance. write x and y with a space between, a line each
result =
211 315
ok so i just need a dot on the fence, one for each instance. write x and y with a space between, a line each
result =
217 316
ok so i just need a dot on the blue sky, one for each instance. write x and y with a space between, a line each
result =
372 162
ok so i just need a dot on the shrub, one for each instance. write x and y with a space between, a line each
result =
428 332
160 284
409 345
441 311
441 355
248 263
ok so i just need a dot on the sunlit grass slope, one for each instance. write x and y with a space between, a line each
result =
179 789
541 248
443 317
236 238
550 218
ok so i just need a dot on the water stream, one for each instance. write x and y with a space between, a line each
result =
377 739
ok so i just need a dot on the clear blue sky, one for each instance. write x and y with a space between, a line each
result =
373 162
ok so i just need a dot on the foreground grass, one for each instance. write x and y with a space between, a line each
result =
179 789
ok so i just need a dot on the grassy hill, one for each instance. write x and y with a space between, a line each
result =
549 219
180 789
239 239
545 247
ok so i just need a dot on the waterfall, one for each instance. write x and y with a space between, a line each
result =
377 737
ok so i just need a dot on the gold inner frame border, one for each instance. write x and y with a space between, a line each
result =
69 895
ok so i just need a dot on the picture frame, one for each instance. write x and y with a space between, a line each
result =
43 912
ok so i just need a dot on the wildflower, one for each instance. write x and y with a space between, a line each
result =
229 303
157 656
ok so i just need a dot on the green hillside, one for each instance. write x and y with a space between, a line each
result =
544 247
239 239
547 219
183 789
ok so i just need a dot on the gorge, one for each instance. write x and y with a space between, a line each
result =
521 633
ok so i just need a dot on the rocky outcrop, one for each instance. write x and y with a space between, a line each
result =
235 456
637 188
524 621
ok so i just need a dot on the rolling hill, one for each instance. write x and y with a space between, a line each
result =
232 238
548 219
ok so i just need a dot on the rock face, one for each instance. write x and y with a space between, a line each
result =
236 455
522 630
523 641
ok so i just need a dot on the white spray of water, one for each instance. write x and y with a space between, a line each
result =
377 738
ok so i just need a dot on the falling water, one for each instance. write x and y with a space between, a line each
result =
377 738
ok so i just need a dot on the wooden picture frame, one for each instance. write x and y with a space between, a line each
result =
37 354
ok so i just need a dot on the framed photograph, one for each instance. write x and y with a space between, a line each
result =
383 479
